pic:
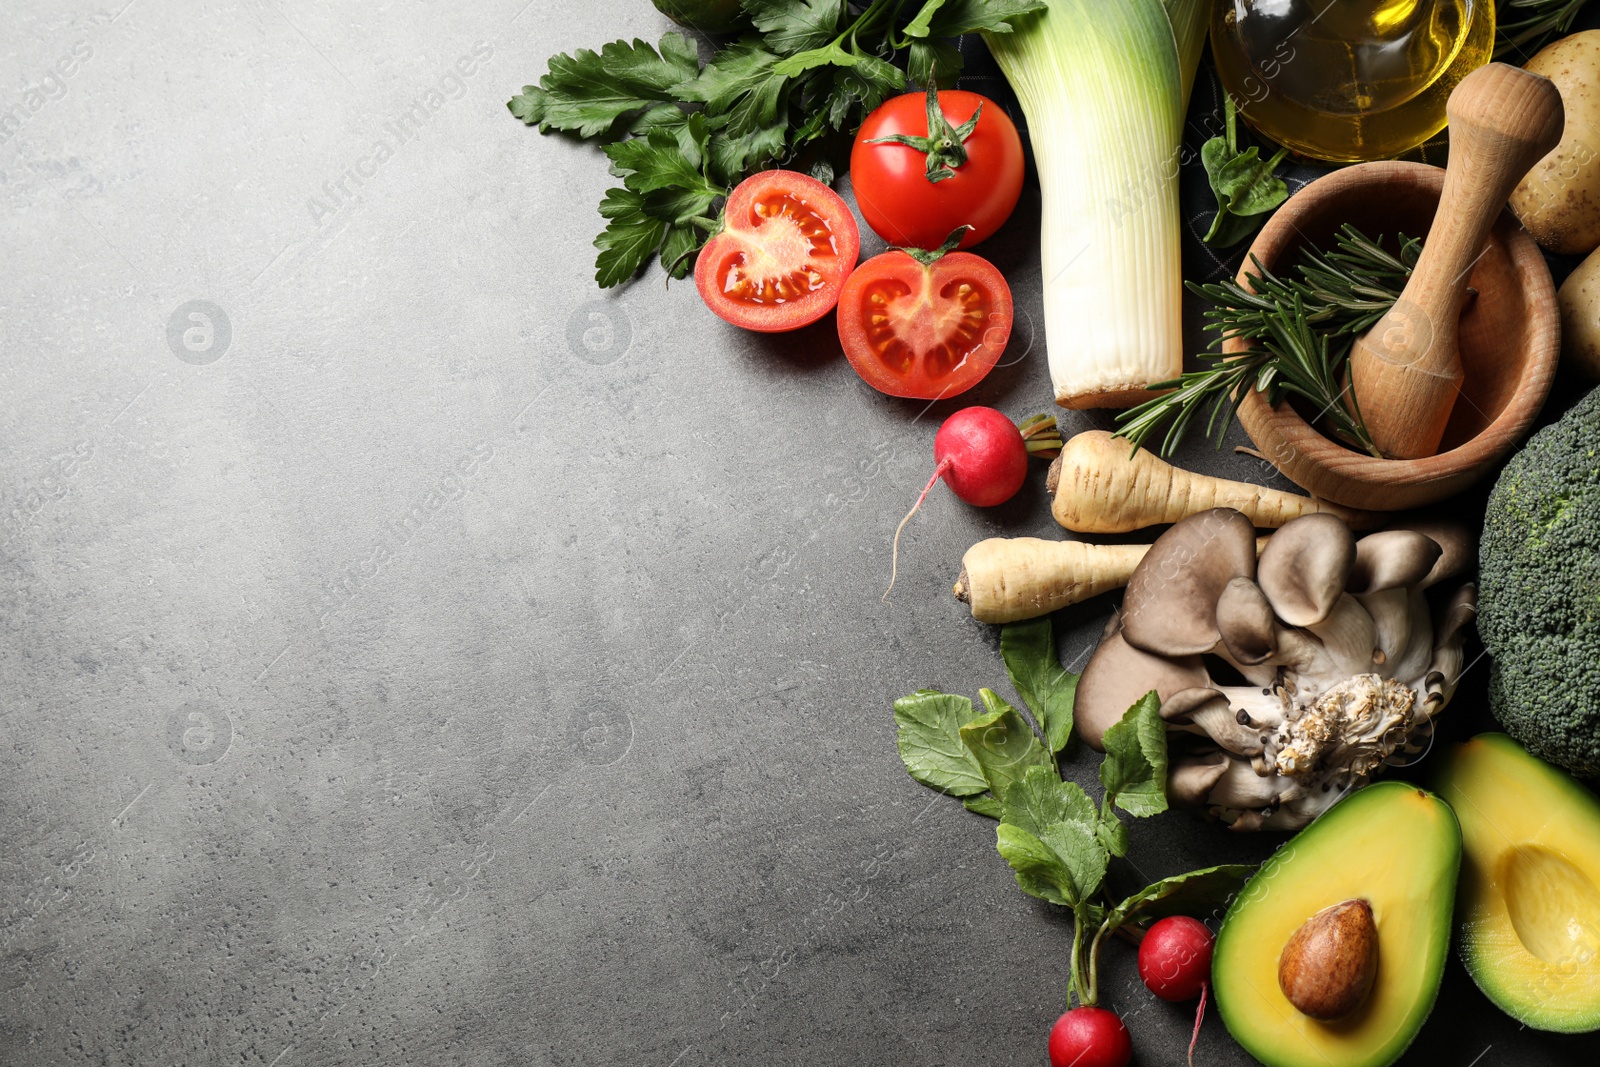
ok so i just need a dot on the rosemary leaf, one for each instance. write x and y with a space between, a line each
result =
1301 329
1527 25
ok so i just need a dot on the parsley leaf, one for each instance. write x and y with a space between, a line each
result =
918 26
1029 649
587 92
933 61
930 743
675 249
795 25
630 238
956 17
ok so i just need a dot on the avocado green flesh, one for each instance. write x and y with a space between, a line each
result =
1397 847
1529 905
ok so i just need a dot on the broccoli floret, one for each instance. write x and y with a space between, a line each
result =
1540 591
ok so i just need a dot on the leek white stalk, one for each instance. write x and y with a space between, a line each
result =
1104 85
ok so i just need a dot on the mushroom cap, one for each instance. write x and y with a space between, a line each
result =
1390 559
1246 623
1118 674
1209 712
1459 610
1459 545
1190 780
1170 607
1304 567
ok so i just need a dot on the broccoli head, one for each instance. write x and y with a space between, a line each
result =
1539 595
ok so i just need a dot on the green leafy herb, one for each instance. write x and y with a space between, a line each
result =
1525 26
1003 744
1246 186
1199 892
1196 893
1046 834
587 93
790 94
1029 651
985 804
1134 772
930 742
1057 841
1301 331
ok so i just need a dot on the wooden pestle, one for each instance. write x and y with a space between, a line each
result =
1406 369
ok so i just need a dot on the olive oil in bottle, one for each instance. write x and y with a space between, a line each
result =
1348 80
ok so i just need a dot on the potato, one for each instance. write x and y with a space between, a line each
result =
1559 200
1580 319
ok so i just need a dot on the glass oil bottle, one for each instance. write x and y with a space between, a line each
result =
1348 80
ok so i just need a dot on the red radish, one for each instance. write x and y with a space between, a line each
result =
1175 958
1175 963
1090 1037
982 457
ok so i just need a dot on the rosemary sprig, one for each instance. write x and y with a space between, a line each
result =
1301 329
1540 21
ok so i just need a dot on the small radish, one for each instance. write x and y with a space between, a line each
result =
1090 1037
983 457
1175 963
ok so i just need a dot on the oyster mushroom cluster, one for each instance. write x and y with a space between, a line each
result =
1288 682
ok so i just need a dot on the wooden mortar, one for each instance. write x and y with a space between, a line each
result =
1509 342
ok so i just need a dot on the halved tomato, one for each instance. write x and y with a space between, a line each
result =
926 326
787 244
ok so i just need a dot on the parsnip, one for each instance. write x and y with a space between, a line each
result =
1100 485
1008 579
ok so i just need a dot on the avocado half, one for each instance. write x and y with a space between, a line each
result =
1397 847
1529 903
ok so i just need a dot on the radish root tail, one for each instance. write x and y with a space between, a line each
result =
894 558
1199 1017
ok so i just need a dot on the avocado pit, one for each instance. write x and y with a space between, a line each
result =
1328 965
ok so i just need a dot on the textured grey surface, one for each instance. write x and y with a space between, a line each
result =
413 656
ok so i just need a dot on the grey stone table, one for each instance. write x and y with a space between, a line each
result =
412 656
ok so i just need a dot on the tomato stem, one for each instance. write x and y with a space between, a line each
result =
945 145
929 256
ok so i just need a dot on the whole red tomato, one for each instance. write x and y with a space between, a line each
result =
932 169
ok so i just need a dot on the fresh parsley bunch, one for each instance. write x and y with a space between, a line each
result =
1058 841
680 134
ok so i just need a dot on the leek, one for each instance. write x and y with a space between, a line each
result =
1104 85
